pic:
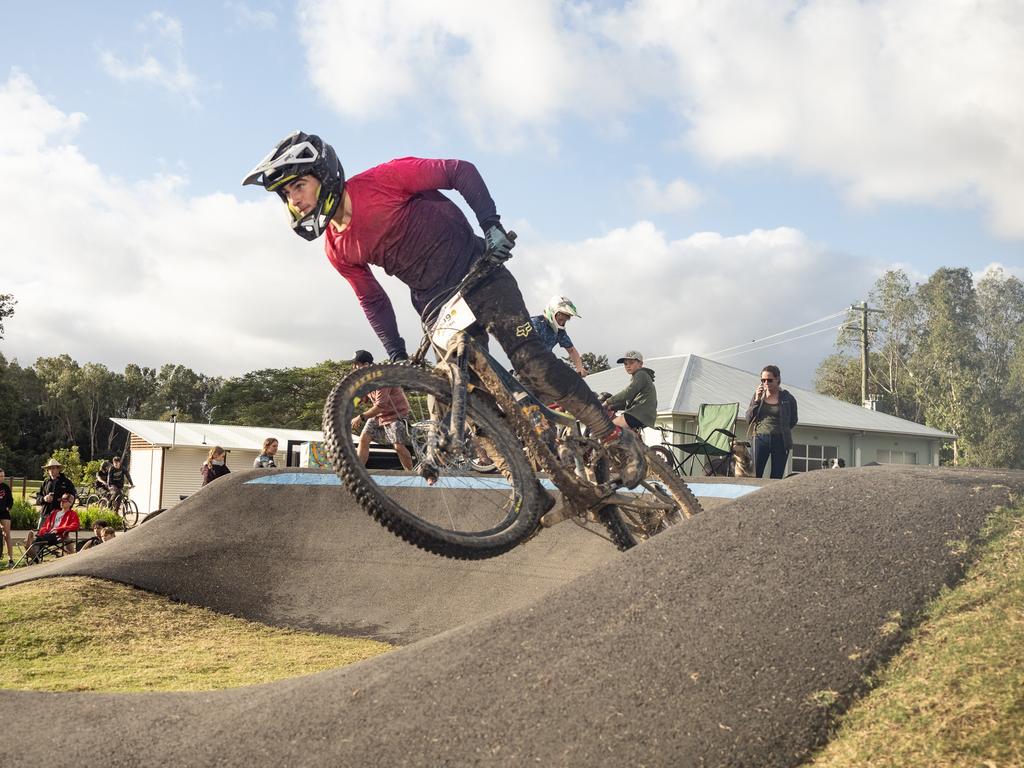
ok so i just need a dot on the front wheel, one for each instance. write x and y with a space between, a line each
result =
129 513
460 514
663 499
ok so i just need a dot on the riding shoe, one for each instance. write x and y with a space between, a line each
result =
628 453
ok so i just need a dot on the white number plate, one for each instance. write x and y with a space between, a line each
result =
455 316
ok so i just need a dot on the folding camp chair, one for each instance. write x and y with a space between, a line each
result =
42 550
711 448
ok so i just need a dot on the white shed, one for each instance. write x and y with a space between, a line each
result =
827 428
166 457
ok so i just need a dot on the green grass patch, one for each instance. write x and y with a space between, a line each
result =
954 696
80 634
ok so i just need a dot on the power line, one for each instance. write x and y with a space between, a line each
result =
783 333
784 341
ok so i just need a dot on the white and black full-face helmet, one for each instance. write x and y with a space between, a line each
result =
300 154
559 305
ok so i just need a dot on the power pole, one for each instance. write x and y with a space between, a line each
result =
864 309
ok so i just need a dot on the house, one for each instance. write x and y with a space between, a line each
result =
166 456
828 428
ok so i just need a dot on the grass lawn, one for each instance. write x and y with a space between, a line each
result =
81 634
955 695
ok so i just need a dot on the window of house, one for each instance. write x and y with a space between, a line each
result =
807 458
895 456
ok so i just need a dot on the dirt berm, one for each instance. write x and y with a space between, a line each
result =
715 644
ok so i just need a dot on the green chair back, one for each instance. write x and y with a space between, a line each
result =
712 416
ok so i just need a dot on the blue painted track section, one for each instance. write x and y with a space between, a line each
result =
709 490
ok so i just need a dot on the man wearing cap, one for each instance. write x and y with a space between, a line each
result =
55 485
385 421
638 401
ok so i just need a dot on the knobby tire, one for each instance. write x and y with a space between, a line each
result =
522 510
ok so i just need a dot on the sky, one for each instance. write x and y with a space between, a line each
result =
695 176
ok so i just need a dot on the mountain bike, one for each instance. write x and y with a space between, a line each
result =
466 402
119 502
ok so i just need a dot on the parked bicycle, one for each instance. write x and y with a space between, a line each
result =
467 402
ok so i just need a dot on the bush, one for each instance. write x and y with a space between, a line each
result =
87 515
23 516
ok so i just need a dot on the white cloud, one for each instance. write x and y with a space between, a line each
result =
672 197
899 101
508 71
161 62
247 17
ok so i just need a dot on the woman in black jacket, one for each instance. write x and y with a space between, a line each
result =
772 416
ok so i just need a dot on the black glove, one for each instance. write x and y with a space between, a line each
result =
498 243
602 396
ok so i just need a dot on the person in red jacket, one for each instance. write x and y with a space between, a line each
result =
55 528
394 216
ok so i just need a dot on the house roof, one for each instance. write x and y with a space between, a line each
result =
683 382
186 434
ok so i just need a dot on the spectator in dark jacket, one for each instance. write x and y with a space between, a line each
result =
6 502
772 416
215 465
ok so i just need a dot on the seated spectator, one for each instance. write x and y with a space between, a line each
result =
96 538
55 528
55 485
107 534
216 465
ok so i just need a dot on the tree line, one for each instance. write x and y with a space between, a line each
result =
948 353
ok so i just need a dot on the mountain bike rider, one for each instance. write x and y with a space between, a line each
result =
394 216
116 478
550 328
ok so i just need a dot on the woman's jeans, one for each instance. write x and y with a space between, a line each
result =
770 446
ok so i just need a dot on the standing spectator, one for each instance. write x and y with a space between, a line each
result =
55 528
266 459
386 421
772 416
55 485
550 328
6 502
117 476
639 400
215 465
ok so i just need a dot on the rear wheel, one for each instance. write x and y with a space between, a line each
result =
460 515
663 500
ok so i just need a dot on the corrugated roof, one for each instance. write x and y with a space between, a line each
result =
684 382
162 433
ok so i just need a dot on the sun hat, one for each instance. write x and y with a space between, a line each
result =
53 463
631 355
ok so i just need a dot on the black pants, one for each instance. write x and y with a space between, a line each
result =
770 446
499 308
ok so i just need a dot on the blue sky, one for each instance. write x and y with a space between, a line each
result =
693 175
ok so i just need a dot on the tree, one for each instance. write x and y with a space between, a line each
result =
595 363
290 397
97 387
947 361
7 303
838 376
61 377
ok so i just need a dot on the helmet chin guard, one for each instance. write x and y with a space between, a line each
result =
297 155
